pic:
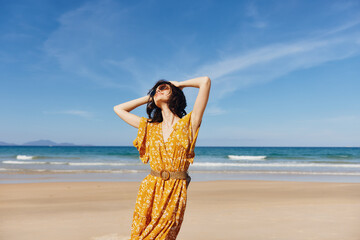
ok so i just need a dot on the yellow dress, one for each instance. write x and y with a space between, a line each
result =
160 204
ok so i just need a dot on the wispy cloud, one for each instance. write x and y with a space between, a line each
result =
341 28
253 13
344 120
79 113
344 5
106 43
270 62
215 110
98 42
87 37
97 25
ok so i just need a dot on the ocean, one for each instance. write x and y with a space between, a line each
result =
23 164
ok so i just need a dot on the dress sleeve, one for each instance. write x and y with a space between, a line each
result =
141 142
191 140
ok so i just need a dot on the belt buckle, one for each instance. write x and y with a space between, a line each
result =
165 174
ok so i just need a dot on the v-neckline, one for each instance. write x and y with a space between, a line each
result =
162 133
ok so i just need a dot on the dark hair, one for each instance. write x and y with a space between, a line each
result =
177 102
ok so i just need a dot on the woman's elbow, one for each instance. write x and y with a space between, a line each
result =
207 81
118 108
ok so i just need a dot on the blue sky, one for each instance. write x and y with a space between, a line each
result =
284 73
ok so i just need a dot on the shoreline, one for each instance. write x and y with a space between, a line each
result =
228 209
16 177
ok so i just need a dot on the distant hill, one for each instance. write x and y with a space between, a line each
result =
41 143
7 144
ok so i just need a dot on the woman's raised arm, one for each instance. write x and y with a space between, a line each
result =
204 84
123 110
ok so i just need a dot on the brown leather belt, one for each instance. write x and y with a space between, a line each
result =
166 175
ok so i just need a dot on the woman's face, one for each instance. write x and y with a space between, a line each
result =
162 94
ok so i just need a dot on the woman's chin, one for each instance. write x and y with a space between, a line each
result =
160 104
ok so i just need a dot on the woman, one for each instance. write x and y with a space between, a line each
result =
167 138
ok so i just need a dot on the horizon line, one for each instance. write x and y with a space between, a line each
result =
19 145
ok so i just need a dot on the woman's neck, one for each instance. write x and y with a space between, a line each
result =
169 118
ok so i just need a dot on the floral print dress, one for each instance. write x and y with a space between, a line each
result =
160 204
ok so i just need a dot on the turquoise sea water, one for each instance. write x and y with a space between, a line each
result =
114 163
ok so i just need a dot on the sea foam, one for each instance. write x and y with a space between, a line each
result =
284 164
24 157
242 157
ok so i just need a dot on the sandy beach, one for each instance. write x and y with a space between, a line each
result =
241 209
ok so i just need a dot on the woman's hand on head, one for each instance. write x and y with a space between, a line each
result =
177 84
